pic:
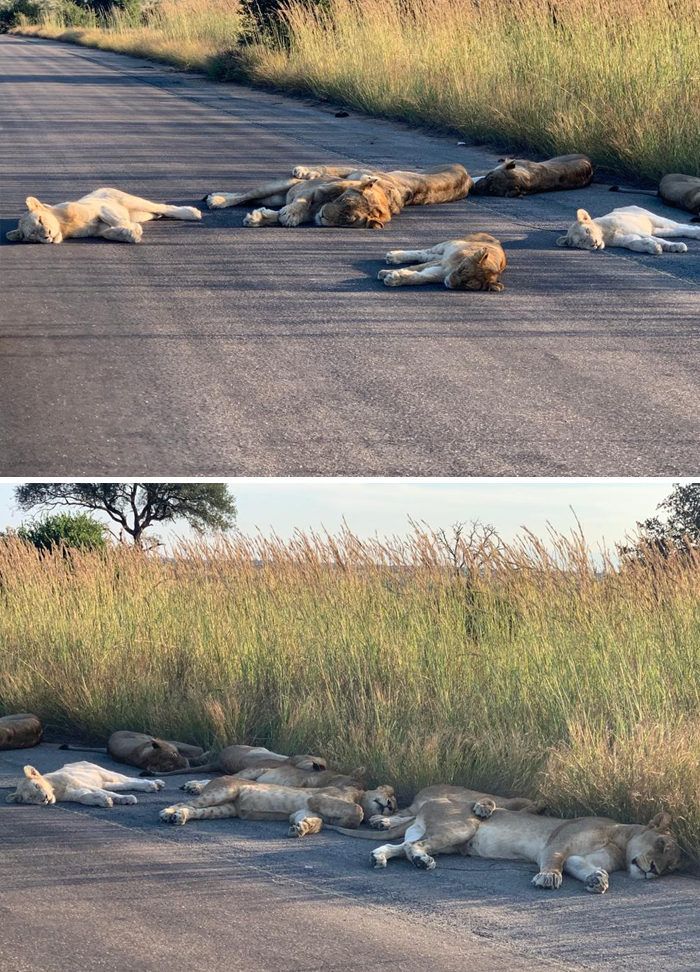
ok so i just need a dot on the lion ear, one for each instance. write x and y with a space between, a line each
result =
31 773
14 234
156 744
32 203
661 822
374 224
582 216
510 164
563 241
367 182
481 256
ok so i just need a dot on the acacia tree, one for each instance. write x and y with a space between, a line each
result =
136 506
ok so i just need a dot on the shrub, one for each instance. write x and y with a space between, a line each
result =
64 529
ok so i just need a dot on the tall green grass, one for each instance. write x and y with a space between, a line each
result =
616 79
520 671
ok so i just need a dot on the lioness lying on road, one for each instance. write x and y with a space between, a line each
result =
631 227
234 759
79 783
472 263
107 213
20 731
148 753
344 196
288 775
306 809
682 191
518 177
588 848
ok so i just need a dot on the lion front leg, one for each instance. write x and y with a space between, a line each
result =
262 217
222 200
194 787
410 256
124 233
415 277
323 171
550 875
303 823
180 813
596 880
91 796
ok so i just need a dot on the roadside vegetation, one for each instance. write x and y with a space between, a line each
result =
531 668
616 79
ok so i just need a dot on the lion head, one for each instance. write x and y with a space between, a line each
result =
362 206
380 802
163 757
312 764
37 225
504 180
584 234
654 851
477 272
33 789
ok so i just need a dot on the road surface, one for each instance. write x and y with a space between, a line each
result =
215 350
91 889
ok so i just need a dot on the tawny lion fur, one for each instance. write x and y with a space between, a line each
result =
306 809
345 196
587 848
20 731
234 759
474 262
518 177
79 783
155 756
107 213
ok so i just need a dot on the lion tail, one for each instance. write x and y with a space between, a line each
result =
375 835
83 749
637 192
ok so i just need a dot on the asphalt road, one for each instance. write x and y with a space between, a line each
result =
212 349
91 889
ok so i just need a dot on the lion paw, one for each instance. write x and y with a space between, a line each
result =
291 216
377 859
194 786
392 278
256 218
677 248
483 809
394 256
174 815
156 785
128 799
379 822
217 200
422 860
297 830
550 880
597 882
191 212
303 172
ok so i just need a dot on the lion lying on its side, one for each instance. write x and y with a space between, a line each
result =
682 191
346 197
234 759
518 177
631 227
79 783
473 263
288 775
20 731
155 756
588 848
108 213
306 809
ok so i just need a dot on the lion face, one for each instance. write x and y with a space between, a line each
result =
475 273
38 225
379 802
584 234
653 852
33 789
163 758
504 180
363 207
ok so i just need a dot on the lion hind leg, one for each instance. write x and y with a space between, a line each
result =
410 256
181 813
551 864
303 823
222 200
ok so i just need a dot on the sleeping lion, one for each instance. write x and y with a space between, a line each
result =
234 759
81 782
518 177
155 756
289 775
631 227
20 731
587 848
107 213
472 263
345 196
306 809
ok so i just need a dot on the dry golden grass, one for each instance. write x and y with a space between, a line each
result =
616 79
517 669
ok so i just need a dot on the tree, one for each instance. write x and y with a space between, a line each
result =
680 531
136 506
67 529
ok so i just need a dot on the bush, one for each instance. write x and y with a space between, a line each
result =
64 529
14 12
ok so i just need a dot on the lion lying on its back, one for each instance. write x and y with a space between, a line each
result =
346 197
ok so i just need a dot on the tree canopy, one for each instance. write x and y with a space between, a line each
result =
137 506
680 530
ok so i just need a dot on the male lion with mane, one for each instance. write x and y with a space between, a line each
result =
306 809
107 213
344 196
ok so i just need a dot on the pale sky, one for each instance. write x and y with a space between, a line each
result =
607 509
